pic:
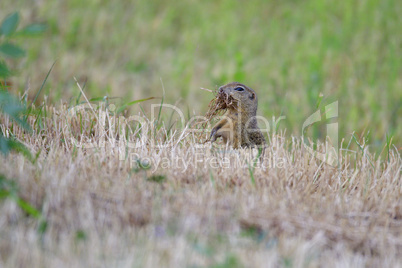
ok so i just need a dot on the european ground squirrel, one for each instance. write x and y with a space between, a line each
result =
238 125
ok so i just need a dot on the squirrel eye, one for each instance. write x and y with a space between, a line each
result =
239 89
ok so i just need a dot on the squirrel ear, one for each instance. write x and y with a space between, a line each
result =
252 96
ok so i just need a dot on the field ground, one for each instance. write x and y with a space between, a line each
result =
171 204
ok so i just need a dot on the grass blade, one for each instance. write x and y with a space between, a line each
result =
44 82
122 108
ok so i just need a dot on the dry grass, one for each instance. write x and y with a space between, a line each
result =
194 206
219 104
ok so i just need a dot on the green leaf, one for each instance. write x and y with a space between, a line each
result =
9 24
4 148
42 227
21 148
28 208
4 71
33 29
9 189
120 109
80 235
6 145
157 178
11 106
4 194
43 84
97 99
11 50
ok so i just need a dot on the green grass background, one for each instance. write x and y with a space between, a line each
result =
288 51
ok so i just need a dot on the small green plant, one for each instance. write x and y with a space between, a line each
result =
8 48
11 107
9 189
157 178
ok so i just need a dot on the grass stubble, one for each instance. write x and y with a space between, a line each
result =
168 204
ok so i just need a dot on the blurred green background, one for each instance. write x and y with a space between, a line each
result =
290 52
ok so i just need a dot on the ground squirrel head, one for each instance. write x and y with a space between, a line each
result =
235 99
239 96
